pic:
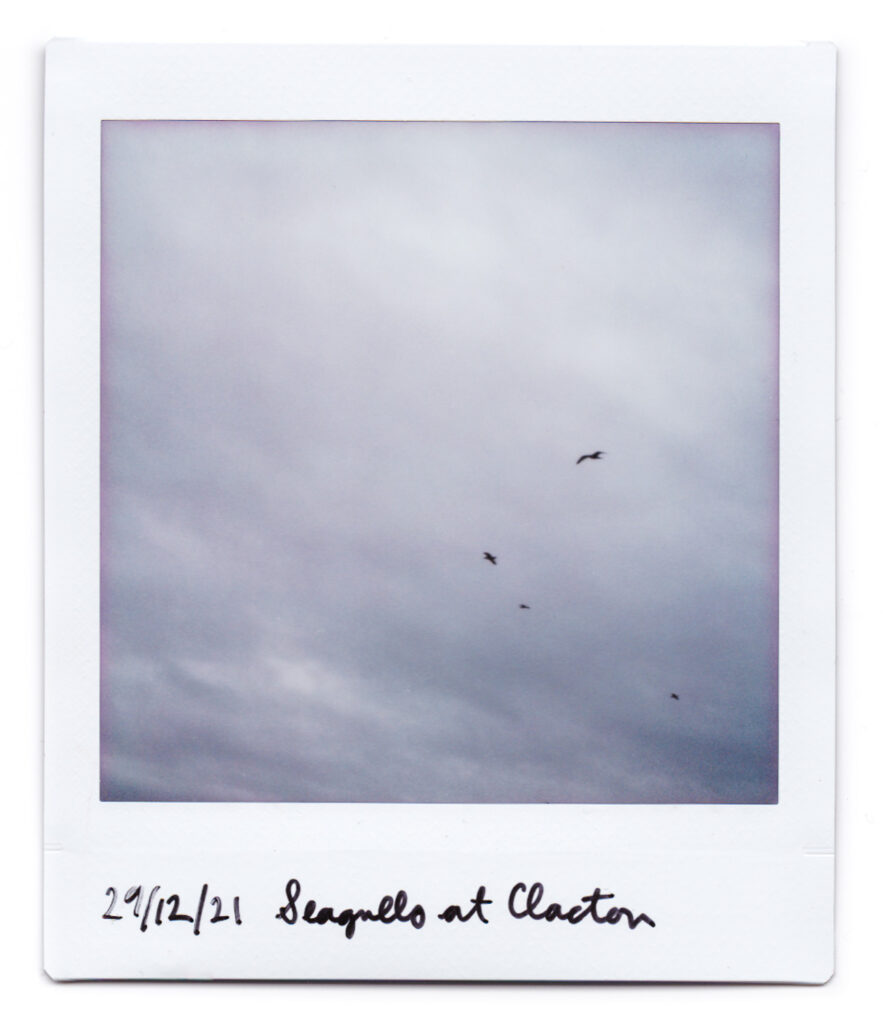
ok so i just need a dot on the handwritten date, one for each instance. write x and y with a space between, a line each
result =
154 909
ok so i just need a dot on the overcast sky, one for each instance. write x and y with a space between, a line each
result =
342 360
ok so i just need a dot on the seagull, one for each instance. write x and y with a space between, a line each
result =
675 696
594 455
524 606
490 558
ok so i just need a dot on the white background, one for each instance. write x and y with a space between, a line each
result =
678 22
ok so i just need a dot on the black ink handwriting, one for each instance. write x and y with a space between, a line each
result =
389 910
167 908
588 907
479 902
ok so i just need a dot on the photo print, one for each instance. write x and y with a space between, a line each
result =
439 462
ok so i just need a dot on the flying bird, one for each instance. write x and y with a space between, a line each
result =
675 696
524 606
594 455
490 558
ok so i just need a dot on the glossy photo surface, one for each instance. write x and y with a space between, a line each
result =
439 462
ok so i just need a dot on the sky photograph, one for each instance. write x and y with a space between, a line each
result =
350 548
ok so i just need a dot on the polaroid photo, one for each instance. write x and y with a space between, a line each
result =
439 460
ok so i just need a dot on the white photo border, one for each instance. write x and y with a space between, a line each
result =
737 892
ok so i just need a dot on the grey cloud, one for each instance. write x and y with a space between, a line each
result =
339 361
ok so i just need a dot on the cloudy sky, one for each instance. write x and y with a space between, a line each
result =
342 360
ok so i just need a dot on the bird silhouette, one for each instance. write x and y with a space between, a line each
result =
490 558
524 606
594 455
675 696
